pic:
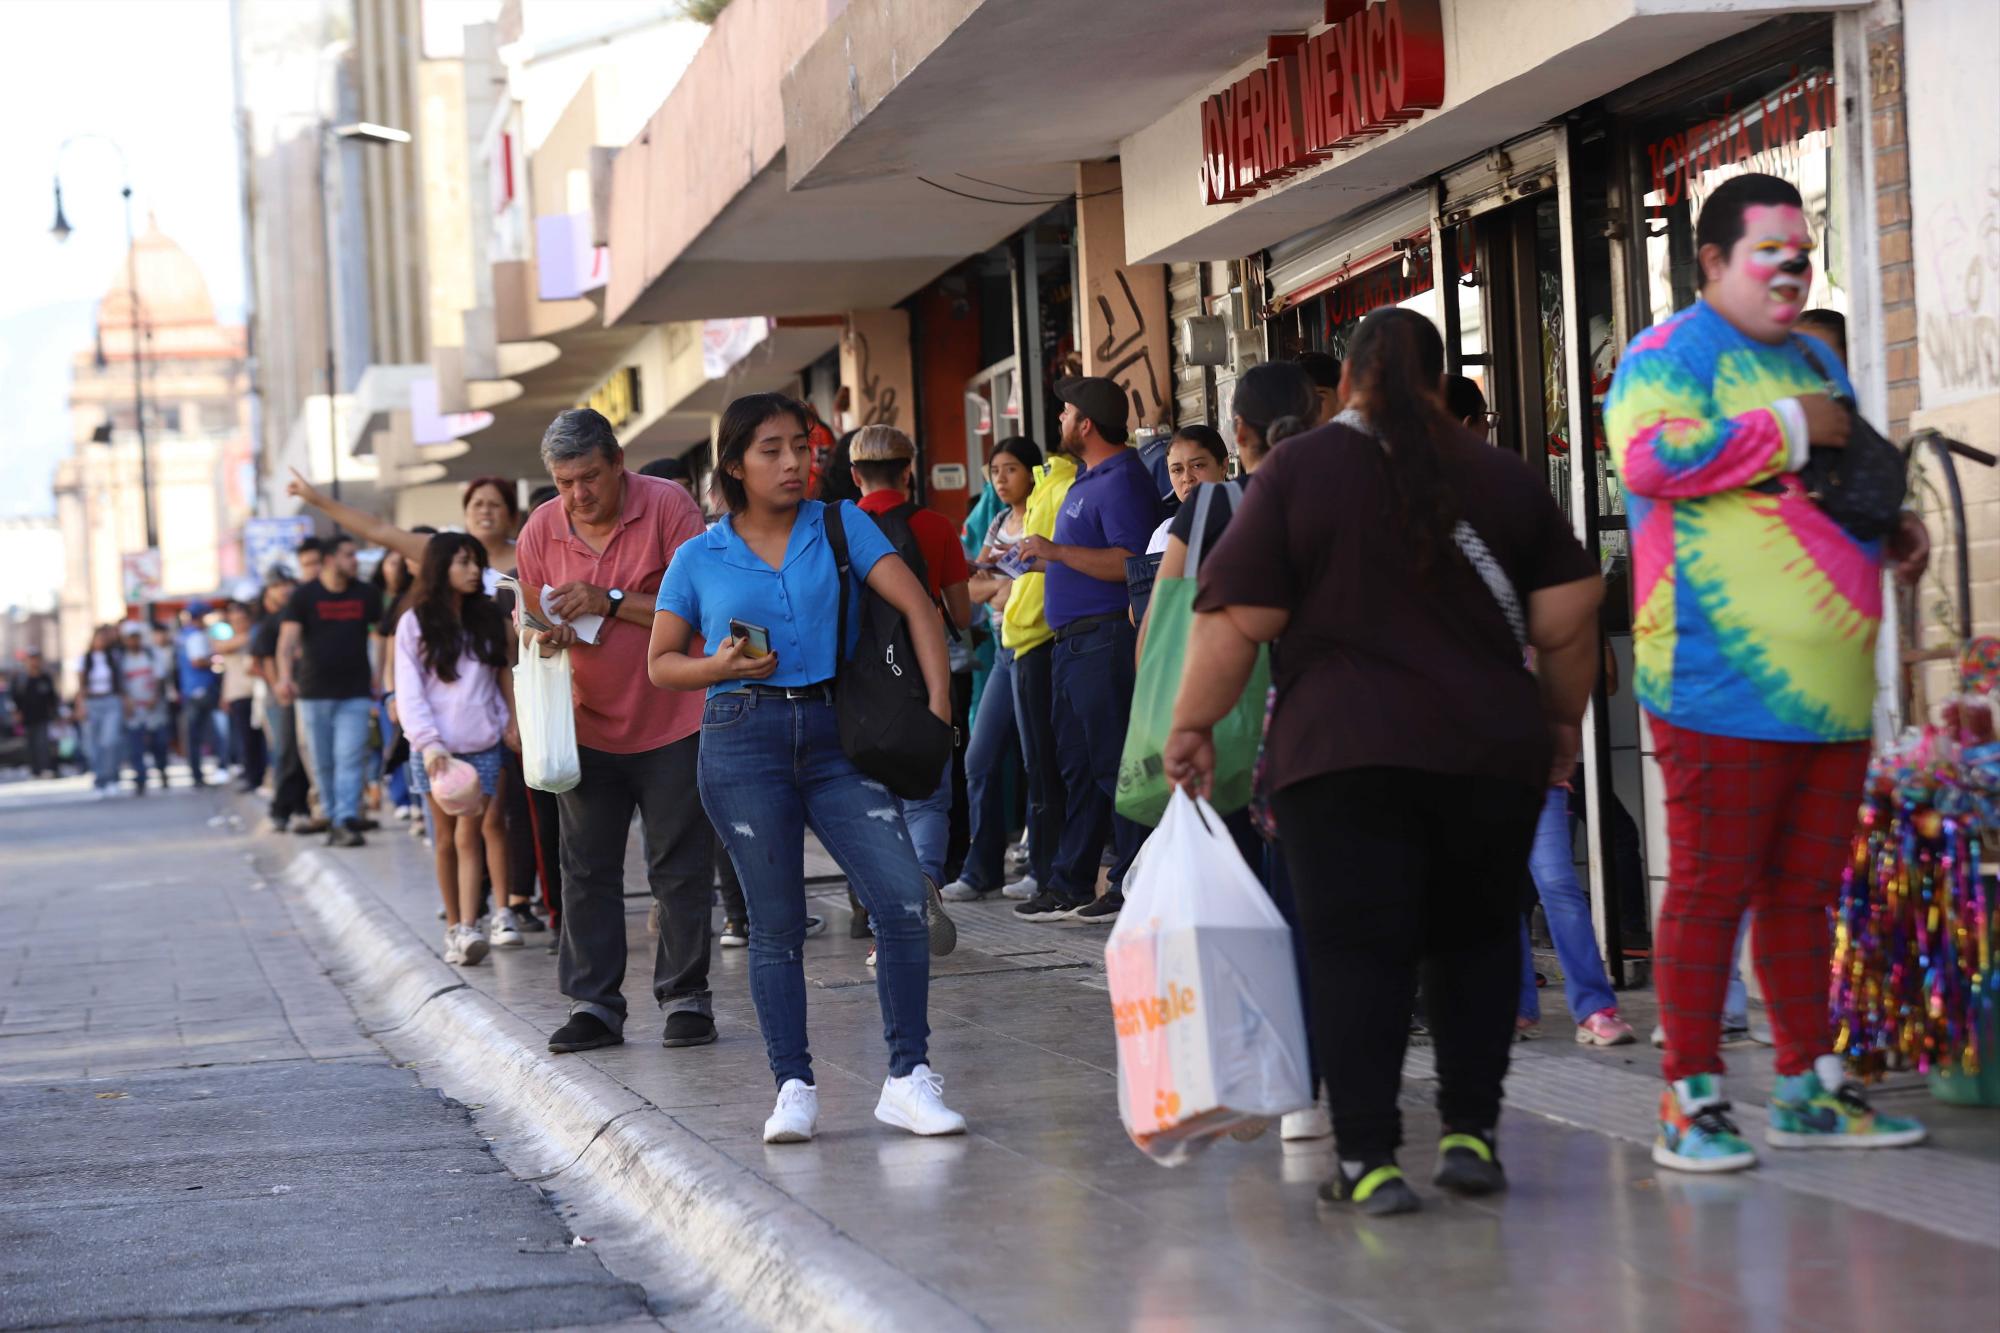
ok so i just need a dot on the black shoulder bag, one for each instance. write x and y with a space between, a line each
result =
1860 487
883 706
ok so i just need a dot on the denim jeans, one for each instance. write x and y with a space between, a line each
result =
1034 715
104 737
596 825
1567 908
771 768
339 730
994 740
928 820
198 717
290 792
1093 675
143 741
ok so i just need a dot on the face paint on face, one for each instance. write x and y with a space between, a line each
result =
1764 289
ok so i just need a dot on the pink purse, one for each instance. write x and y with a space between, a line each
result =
457 788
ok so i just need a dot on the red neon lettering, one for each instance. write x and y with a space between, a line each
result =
1325 55
1260 124
1419 48
1286 148
1214 152
1242 151
1378 74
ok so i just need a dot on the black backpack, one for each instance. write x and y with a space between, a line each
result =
886 724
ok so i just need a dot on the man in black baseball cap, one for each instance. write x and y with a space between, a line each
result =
1108 516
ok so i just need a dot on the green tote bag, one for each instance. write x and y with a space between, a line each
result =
1143 788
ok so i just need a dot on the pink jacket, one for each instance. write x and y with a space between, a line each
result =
464 716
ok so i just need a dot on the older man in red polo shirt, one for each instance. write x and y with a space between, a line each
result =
603 546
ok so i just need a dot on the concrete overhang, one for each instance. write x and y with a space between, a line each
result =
1552 57
894 90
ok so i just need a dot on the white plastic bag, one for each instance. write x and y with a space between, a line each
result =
1204 991
547 717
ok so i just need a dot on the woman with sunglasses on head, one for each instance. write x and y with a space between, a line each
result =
759 589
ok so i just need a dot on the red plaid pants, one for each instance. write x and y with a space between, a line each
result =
1763 825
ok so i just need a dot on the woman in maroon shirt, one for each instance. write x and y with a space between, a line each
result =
1407 567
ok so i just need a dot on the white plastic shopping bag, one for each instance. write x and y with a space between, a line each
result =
547 717
1204 992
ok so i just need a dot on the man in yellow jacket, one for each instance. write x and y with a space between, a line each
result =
1025 632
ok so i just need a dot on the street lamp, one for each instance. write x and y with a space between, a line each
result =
61 231
360 131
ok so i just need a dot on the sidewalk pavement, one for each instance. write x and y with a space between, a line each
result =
197 1135
1044 1215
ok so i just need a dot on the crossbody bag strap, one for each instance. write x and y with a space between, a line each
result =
1481 558
1198 539
836 537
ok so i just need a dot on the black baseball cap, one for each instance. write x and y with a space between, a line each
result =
1099 399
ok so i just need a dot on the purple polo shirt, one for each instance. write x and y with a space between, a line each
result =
1112 504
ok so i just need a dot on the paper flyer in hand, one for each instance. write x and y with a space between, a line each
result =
586 627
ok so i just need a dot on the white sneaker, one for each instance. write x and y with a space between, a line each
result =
796 1116
958 891
916 1103
1022 889
471 945
452 952
871 957
1313 1122
506 929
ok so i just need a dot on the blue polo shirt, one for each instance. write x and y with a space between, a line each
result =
1112 504
716 578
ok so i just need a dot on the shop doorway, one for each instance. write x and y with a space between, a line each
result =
1529 318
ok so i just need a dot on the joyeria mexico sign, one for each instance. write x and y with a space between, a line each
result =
1375 67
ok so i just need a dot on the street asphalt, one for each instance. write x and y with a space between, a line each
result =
198 1133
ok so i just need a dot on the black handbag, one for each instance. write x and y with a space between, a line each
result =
1860 487
879 696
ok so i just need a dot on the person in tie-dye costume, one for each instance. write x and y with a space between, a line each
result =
1754 620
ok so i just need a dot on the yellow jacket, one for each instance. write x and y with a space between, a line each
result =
1022 624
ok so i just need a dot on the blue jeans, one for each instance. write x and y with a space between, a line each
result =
928 821
104 737
994 739
1093 676
144 740
1567 908
339 730
771 767
198 717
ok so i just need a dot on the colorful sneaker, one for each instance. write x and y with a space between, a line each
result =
1823 1108
1604 1028
1374 1185
1469 1164
1696 1133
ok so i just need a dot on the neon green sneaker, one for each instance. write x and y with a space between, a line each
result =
1696 1133
1823 1108
1375 1185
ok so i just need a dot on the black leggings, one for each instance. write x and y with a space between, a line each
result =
1397 871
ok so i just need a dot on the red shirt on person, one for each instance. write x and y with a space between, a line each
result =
617 708
944 558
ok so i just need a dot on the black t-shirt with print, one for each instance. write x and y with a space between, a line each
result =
333 661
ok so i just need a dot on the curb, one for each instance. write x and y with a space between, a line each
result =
768 1258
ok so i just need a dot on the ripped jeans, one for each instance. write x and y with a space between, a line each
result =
771 768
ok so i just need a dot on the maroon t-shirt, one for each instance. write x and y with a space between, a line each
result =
1376 667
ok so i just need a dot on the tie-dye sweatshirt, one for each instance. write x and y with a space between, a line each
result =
1755 614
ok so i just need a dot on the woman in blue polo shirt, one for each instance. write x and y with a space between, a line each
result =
771 759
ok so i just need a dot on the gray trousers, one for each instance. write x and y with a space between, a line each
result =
679 848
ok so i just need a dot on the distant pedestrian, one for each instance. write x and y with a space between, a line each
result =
772 763
145 692
1404 562
1324 372
1754 633
200 691
455 695
1194 456
883 459
602 549
290 789
37 701
995 735
239 698
100 708
1108 516
324 666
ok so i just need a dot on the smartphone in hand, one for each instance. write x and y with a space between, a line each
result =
756 639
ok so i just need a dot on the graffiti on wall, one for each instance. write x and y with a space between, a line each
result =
877 402
1124 353
1960 244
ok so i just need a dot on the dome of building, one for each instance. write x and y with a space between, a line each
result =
172 290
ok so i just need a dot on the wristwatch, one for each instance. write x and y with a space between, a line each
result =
617 596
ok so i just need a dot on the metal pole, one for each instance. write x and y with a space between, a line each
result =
326 265
139 374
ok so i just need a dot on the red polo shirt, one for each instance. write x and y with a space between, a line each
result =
617 709
944 558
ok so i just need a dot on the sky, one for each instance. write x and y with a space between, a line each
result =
155 75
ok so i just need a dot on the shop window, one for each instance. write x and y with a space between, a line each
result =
1782 121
